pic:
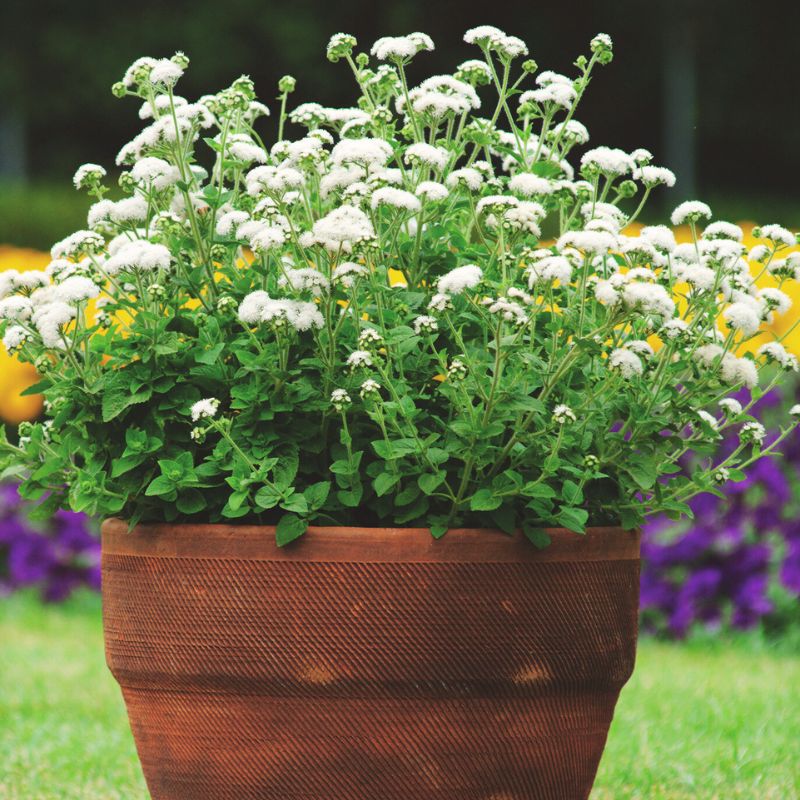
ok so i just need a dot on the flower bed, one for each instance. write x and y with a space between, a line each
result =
56 557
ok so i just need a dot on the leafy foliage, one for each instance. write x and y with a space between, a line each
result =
376 330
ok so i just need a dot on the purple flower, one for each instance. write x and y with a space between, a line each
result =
719 569
56 558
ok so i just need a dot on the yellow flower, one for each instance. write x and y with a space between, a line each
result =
15 376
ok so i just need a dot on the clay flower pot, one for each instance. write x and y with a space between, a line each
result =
374 664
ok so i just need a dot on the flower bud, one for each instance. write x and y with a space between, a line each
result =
340 46
287 84
119 89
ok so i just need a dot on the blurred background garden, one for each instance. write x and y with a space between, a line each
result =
709 87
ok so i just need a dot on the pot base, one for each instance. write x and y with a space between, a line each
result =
378 665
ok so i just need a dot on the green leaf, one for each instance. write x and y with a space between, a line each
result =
573 518
190 501
160 487
438 530
384 483
484 500
297 503
317 494
351 497
429 482
538 537
290 527
119 466
211 355
644 472
267 497
115 401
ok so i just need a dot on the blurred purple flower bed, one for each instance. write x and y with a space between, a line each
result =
737 563
55 558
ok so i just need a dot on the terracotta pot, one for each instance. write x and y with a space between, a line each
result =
374 664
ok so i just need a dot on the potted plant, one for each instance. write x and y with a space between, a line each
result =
349 404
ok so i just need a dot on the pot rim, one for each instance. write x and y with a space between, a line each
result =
364 544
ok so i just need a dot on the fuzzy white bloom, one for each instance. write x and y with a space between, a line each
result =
753 432
76 289
15 307
739 371
775 300
125 211
560 94
305 279
675 328
340 400
50 321
368 153
777 234
706 355
425 324
156 172
628 364
370 389
723 230
698 277
340 178
139 255
258 307
439 96
241 147
14 338
267 238
468 177
88 175
794 411
273 179
431 190
459 279
347 272
401 48
599 242
486 35
396 198
709 419
359 359
775 351
742 317
529 185
205 409
430 156
648 298
525 216
230 221
440 303
563 414
640 347
549 269
660 236
165 72
495 202
607 293
509 310
77 243
731 406
690 210
608 160
654 176
342 228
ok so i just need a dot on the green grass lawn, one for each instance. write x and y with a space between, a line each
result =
703 720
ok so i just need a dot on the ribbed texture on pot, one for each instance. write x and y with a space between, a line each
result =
368 664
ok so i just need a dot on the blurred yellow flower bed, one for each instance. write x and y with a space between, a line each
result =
15 377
